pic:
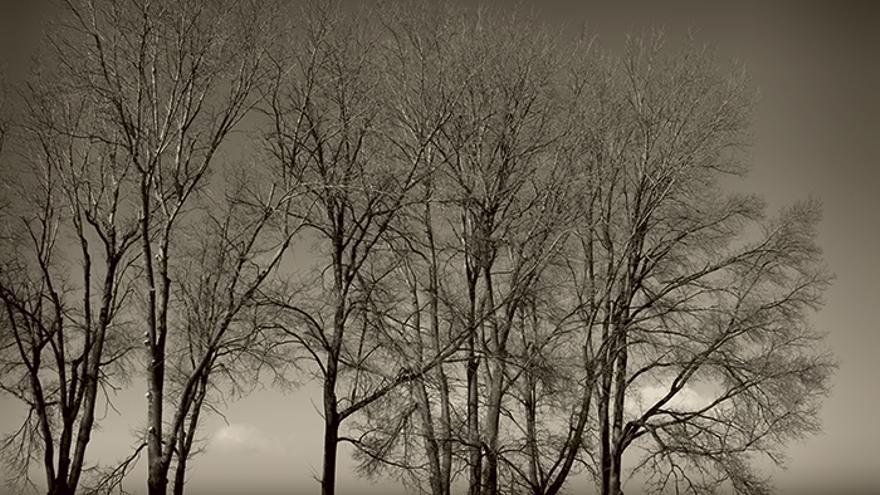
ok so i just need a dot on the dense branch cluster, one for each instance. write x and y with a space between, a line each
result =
506 256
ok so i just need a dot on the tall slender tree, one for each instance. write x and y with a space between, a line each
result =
69 232
172 80
332 133
697 301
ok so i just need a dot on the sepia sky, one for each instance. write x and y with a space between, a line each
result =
815 133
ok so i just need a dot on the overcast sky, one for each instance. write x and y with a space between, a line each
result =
816 67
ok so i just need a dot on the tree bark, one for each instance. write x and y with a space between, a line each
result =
432 449
473 422
496 387
331 403
530 411
473 419
604 419
445 440
617 426
331 436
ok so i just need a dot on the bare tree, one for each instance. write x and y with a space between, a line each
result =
420 50
665 281
173 80
526 261
506 183
694 300
490 218
222 336
64 280
331 132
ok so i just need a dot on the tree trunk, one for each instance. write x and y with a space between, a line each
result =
64 450
473 364
532 429
446 434
157 480
614 479
493 415
576 439
604 419
185 438
180 476
157 483
445 440
496 386
60 487
617 427
432 449
91 376
473 422
331 443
